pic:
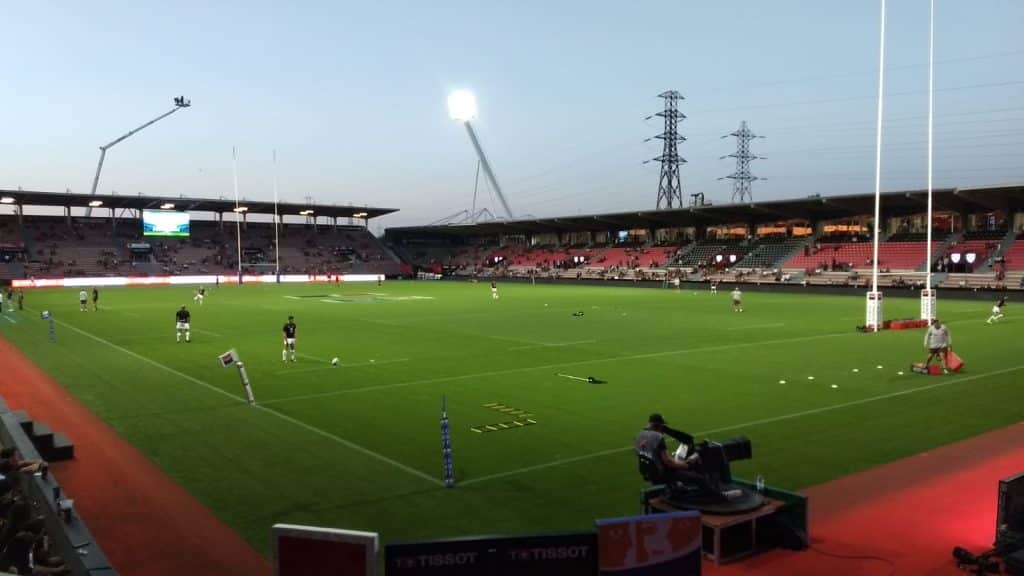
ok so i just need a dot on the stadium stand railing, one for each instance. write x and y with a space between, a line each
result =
704 251
771 251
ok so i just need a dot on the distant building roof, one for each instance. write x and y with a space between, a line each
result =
1009 198
139 202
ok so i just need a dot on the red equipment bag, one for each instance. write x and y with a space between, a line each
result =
953 362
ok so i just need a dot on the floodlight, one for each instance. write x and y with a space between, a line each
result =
462 105
305 212
166 206
6 200
95 203
239 209
360 215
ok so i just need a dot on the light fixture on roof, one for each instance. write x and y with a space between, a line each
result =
305 212
7 200
239 209
166 206
95 203
360 215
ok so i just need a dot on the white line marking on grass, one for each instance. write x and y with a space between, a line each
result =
351 445
270 411
375 362
770 420
201 331
553 345
317 358
561 365
9 319
152 362
301 370
357 364
756 326
546 465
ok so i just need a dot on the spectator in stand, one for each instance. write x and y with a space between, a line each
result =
17 517
10 460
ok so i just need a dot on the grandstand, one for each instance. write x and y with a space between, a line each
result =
817 240
314 239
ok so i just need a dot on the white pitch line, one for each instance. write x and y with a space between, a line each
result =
560 365
756 326
317 358
271 411
375 363
553 345
201 331
9 319
351 445
301 370
358 364
770 420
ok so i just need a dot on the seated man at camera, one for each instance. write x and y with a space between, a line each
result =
657 465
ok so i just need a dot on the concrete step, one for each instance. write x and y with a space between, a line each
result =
24 420
42 437
62 449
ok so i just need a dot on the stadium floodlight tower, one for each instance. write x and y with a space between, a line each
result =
462 107
180 102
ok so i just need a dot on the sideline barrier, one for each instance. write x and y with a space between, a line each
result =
209 279
72 540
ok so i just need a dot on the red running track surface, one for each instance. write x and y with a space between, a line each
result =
911 512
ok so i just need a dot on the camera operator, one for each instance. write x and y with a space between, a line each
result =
650 445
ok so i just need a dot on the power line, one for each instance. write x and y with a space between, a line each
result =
856 98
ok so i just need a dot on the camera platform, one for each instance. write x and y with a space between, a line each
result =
730 536
705 503
780 521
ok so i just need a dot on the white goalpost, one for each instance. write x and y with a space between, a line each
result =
928 293
873 314
238 212
277 239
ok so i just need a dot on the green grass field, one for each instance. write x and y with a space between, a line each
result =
358 446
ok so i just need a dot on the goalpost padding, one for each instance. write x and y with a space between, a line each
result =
873 314
928 303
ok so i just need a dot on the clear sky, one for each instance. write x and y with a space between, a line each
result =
352 97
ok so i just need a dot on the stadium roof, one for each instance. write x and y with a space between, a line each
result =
1009 198
117 202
